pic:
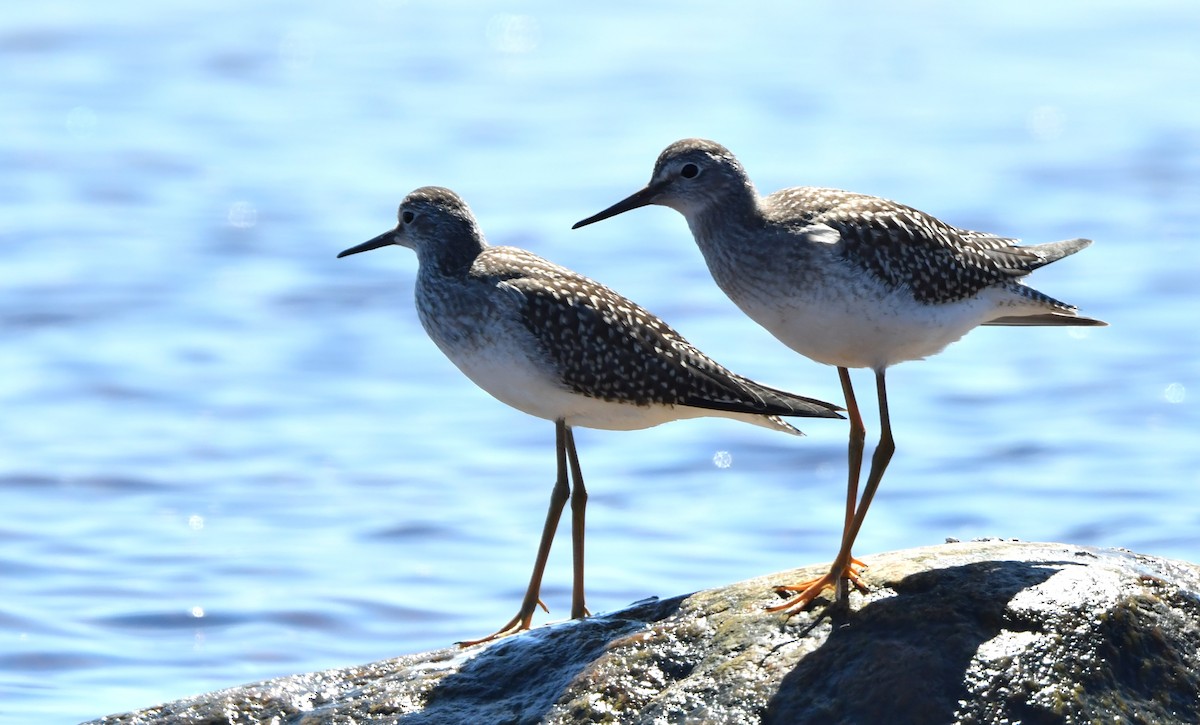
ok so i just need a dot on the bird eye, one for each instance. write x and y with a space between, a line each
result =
407 217
689 171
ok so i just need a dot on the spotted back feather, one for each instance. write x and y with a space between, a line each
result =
606 346
905 247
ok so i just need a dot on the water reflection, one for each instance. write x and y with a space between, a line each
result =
203 413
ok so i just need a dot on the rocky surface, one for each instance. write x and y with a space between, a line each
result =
983 632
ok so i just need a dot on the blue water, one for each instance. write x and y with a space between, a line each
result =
227 456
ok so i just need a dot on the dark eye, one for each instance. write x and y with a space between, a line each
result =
689 171
407 217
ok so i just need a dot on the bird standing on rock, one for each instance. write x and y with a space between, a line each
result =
848 280
559 346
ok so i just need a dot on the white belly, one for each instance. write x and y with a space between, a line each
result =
505 369
479 328
860 325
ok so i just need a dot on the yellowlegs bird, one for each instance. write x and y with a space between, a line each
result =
559 346
848 280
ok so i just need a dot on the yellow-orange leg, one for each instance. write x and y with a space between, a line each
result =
842 571
850 575
838 577
564 447
858 435
579 497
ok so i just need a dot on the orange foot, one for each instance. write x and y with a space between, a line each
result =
811 589
519 623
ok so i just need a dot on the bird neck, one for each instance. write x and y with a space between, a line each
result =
734 215
452 256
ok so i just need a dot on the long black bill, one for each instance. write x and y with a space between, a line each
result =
382 240
634 201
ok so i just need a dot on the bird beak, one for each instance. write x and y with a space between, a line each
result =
638 199
388 237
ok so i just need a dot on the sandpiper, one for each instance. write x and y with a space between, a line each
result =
559 346
848 280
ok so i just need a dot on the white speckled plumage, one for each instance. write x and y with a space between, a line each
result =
848 279
843 278
560 346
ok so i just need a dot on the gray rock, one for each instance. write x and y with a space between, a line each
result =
983 632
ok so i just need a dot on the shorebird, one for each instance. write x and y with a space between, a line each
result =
848 280
559 346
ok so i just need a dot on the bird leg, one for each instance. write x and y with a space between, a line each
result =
858 437
858 434
558 500
844 563
579 497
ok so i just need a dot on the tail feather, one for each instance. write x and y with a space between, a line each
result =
1054 251
743 395
1061 319
774 422
784 403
